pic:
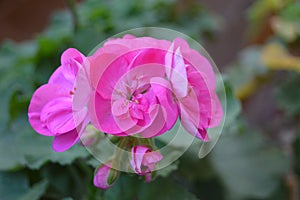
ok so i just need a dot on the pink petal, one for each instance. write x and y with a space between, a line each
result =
72 53
40 98
151 158
101 115
58 78
120 107
169 61
101 177
197 61
65 141
58 115
192 128
138 153
179 77
82 89
157 123
162 90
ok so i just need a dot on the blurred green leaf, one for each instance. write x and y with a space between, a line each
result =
130 188
288 95
248 165
36 192
22 146
12 185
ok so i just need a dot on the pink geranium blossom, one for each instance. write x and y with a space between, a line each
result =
141 86
124 102
143 161
52 111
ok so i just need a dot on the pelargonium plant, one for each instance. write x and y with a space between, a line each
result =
131 90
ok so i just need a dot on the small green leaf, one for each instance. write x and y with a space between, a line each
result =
12 185
36 192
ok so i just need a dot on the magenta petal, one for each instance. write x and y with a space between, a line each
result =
40 98
162 90
71 61
101 115
65 141
58 78
72 53
58 115
101 177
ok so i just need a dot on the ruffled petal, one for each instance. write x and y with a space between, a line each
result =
40 98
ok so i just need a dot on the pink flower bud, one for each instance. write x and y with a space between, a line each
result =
105 176
144 160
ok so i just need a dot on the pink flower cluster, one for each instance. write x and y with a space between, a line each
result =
129 86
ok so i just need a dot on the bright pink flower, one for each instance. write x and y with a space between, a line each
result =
141 85
124 102
105 176
194 90
54 110
143 161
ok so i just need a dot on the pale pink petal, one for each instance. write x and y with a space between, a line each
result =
58 78
197 61
125 122
82 89
179 77
120 107
151 159
138 153
169 61
192 128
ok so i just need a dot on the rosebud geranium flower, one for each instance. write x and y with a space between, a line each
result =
143 161
105 176
53 111
141 86
124 102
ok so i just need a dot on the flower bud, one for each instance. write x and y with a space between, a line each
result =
144 160
105 176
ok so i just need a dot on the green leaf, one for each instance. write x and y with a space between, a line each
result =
165 172
248 166
36 192
288 95
130 188
20 145
12 185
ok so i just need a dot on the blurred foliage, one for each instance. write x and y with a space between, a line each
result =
246 164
